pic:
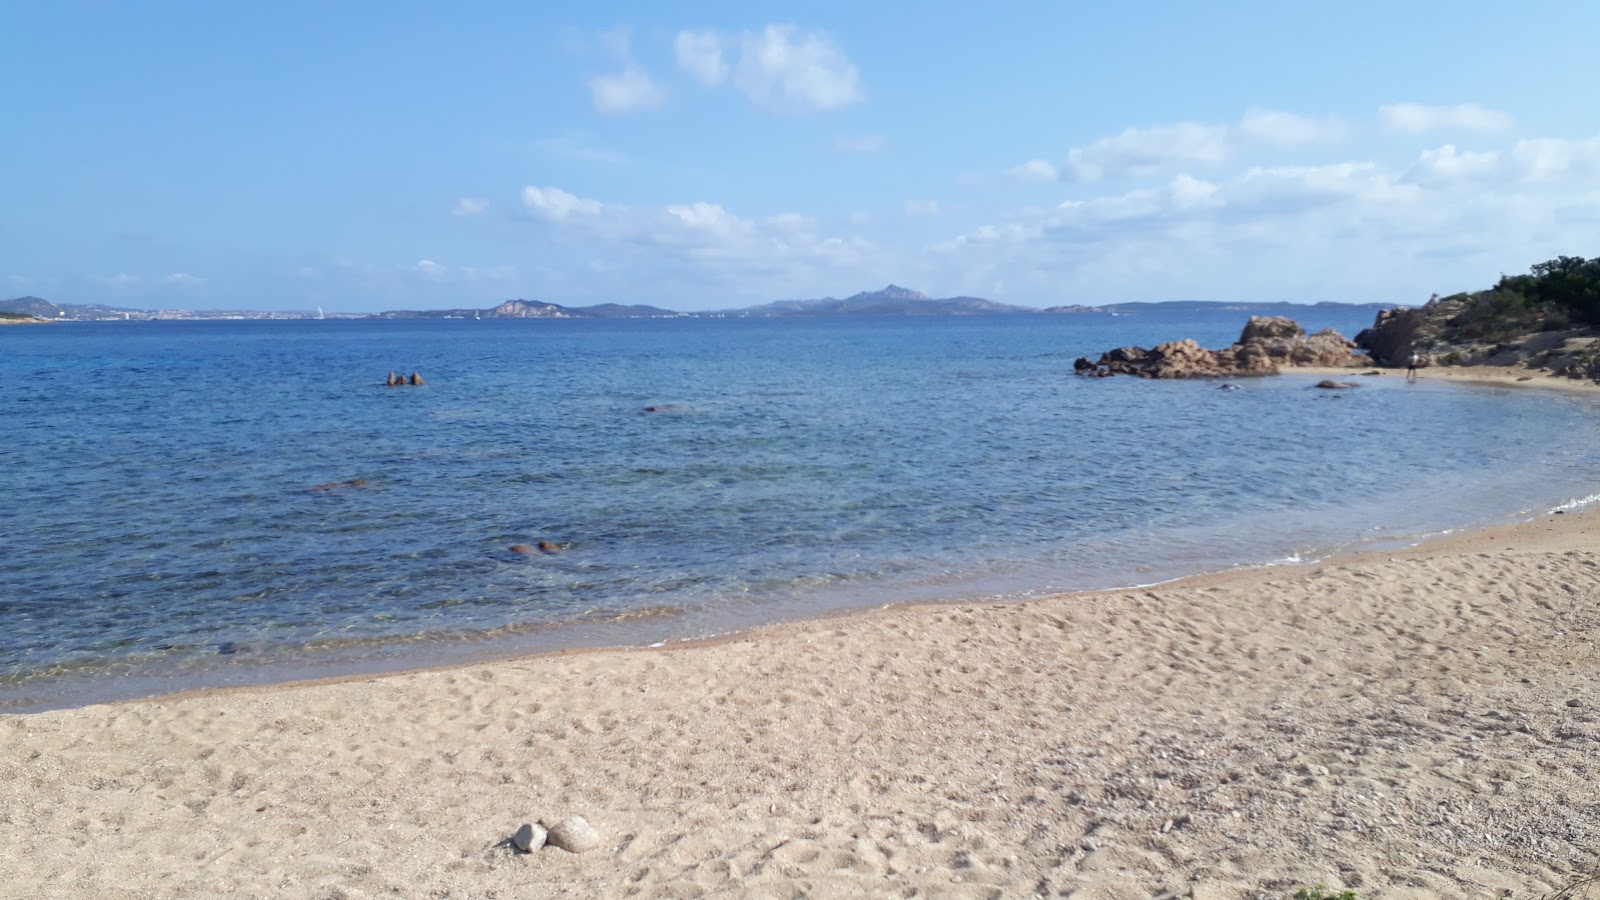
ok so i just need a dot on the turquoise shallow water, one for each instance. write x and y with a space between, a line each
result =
192 504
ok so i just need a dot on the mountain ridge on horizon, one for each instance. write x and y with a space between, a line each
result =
892 300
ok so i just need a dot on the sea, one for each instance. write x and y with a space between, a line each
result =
200 504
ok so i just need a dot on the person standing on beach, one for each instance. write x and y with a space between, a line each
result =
1411 365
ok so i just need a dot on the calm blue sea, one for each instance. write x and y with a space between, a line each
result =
204 503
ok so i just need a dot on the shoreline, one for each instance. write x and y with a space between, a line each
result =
403 655
1405 723
411 653
1499 376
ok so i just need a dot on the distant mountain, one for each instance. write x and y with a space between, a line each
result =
1170 306
44 309
525 309
891 301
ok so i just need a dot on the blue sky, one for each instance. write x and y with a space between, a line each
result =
366 156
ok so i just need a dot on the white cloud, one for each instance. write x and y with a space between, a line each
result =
1448 164
1415 118
556 205
1035 170
122 279
469 206
1353 230
431 270
1447 219
624 92
692 246
780 68
791 222
1187 192
707 217
1550 158
864 143
1281 129
1140 151
1148 151
1539 159
183 278
700 54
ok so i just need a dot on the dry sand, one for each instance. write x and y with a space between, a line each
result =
1414 724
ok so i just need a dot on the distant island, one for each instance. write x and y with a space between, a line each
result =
890 301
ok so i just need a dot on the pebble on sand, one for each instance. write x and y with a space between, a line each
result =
575 835
528 838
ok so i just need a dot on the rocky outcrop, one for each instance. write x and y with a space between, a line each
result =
1266 344
1465 330
1393 336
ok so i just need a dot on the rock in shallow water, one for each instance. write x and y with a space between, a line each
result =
575 835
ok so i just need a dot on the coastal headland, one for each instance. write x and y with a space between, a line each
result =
1420 723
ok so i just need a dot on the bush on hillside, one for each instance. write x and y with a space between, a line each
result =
1569 283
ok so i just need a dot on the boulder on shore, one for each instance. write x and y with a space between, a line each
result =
1266 344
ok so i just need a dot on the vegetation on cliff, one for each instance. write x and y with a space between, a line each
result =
1546 319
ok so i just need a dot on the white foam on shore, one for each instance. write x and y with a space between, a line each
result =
1577 504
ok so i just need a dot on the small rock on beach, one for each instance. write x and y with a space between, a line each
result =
528 838
575 835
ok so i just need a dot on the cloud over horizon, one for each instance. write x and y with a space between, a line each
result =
779 68
1416 118
1152 150
627 91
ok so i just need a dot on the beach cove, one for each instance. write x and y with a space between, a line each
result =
1410 721
179 521
1417 723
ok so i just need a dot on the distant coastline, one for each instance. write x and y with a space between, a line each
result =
892 300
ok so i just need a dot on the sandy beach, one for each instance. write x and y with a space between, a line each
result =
1416 724
1501 376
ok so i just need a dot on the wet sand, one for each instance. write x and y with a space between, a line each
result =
1505 376
1415 724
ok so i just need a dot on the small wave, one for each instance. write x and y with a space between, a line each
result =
1577 504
